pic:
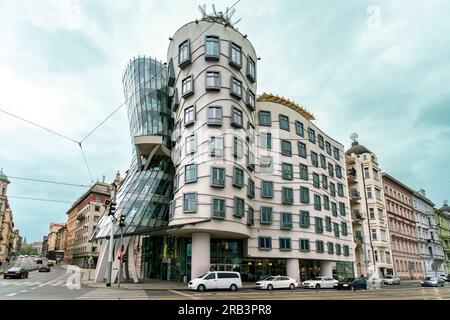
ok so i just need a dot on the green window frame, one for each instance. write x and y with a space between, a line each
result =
312 135
284 122
319 246
302 152
250 216
326 202
340 189
334 209
238 177
286 220
304 245
332 189
303 172
238 207
317 202
330 247
265 243
190 202
304 195
320 141
314 159
287 171
217 177
304 219
342 208
264 118
266 189
338 249
266 215
285 244
346 250
251 188
330 170
286 148
318 224
299 129
323 162
316 180
344 229
218 208
190 173
328 224
287 195
336 229
324 182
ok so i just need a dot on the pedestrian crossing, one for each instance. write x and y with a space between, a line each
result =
35 284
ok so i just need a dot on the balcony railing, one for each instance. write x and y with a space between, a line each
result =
351 174
356 215
358 239
354 194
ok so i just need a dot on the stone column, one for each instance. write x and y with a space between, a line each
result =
200 262
326 268
293 268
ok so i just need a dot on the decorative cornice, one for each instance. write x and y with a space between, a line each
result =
269 97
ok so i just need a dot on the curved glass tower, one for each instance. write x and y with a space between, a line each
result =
144 195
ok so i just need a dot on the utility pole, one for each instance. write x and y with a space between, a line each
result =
112 209
121 225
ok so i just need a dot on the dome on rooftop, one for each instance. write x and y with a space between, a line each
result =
3 176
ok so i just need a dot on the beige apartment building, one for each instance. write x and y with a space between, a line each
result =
402 227
373 250
89 208
6 221
53 250
70 236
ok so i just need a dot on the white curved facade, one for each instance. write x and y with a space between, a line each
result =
231 225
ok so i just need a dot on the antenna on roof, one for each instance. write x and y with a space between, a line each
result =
354 137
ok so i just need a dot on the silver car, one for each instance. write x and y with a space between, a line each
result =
432 282
391 280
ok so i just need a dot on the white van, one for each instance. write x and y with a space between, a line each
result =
216 280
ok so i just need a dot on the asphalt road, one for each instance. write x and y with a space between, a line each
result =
58 284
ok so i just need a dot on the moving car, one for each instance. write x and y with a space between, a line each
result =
216 280
391 280
352 284
432 282
44 268
320 282
16 272
277 282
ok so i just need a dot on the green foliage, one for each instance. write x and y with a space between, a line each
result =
27 249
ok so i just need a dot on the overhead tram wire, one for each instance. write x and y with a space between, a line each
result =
40 199
39 126
49 181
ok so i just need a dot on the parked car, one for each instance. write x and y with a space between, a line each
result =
44 268
352 284
277 282
16 272
320 282
432 282
390 279
216 280
443 277
50 263
448 278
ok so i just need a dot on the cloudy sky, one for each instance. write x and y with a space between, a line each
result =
378 68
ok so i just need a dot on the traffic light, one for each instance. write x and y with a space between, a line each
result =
122 220
112 208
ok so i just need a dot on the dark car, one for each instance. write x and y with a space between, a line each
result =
16 272
44 268
352 284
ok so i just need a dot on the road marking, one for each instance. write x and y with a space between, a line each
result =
24 291
34 288
11 294
183 294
